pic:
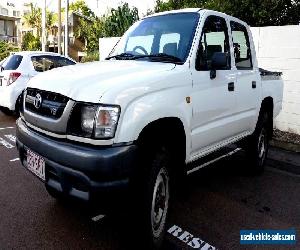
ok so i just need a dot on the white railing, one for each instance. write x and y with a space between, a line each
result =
9 39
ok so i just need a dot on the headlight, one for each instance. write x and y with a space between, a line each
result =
87 119
94 121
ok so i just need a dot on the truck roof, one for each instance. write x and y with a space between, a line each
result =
194 10
186 10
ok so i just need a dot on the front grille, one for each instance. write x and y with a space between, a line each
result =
51 105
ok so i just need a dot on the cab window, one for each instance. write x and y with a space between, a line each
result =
241 45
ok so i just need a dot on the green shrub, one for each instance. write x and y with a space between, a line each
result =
6 48
31 43
91 57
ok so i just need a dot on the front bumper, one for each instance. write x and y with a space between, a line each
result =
76 170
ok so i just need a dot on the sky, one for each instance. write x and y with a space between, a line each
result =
103 5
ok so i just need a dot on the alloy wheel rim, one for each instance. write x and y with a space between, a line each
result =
160 202
262 146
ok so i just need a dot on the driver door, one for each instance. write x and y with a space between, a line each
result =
213 100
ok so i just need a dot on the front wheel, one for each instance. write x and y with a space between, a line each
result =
159 205
152 189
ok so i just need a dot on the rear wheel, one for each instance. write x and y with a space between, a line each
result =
258 144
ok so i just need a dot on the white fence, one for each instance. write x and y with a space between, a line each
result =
106 44
278 49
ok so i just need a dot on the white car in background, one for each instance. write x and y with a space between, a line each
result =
19 68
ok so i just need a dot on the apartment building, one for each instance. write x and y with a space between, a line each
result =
10 22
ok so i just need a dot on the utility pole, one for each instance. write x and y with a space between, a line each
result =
67 28
59 27
44 26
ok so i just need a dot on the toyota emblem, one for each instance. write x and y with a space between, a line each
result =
37 101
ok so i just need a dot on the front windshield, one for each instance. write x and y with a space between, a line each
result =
170 34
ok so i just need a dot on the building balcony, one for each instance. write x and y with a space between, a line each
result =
9 39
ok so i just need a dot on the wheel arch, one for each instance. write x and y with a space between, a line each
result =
171 132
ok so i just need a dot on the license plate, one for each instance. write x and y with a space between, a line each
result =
36 164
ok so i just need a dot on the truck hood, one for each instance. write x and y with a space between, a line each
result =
88 82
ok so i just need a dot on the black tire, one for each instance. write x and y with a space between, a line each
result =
6 111
257 145
153 199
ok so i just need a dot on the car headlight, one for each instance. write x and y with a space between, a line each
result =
94 121
87 119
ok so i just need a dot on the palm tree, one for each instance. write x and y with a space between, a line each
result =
34 19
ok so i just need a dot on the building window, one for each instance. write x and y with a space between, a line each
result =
16 13
2 27
4 11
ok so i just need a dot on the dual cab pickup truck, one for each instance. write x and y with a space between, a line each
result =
177 91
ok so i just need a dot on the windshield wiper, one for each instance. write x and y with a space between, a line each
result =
122 56
159 57
162 57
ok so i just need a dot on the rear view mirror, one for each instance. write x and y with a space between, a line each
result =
219 61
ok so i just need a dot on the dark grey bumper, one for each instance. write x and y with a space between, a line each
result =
79 170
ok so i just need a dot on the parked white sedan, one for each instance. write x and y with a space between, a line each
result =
19 68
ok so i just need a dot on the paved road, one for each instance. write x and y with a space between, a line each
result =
216 204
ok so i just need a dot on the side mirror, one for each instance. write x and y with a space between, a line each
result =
219 61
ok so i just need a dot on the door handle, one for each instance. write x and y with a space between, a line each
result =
231 86
254 84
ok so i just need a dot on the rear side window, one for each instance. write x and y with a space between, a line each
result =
241 45
45 63
12 62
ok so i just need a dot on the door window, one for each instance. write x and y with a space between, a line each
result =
241 45
214 39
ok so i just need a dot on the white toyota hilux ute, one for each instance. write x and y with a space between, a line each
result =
180 90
